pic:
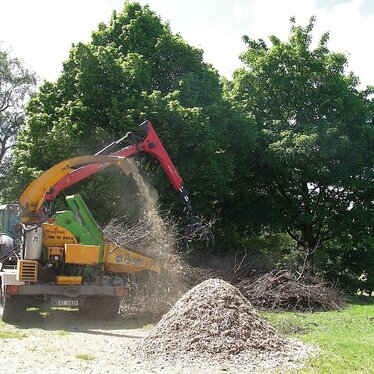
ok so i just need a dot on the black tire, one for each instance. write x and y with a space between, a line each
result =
100 308
1 305
13 309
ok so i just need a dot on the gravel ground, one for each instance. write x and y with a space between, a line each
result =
65 343
62 342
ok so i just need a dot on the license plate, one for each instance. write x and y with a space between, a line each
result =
65 303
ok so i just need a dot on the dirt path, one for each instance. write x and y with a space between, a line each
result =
63 342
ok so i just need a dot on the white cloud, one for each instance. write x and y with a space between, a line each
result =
219 48
269 17
350 30
42 31
240 11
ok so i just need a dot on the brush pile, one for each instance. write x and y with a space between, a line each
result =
284 291
214 320
151 294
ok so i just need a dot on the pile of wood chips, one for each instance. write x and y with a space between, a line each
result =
214 320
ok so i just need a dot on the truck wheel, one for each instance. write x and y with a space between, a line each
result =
2 301
101 308
13 309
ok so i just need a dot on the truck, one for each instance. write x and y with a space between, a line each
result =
62 259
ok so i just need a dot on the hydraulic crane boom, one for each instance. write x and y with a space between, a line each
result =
32 199
151 144
63 175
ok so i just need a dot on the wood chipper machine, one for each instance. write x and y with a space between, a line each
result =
62 259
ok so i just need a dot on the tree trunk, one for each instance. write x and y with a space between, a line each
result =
310 247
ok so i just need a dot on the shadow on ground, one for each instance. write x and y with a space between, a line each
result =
360 300
73 321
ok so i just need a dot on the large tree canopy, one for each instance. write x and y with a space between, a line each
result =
16 84
315 146
134 69
285 147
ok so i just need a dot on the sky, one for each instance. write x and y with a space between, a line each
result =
41 32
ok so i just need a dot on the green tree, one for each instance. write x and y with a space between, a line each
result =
134 69
16 84
315 143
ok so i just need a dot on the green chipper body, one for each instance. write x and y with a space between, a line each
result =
80 222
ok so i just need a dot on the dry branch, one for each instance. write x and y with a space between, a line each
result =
282 290
154 294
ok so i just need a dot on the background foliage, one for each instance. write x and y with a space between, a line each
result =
133 69
16 84
315 137
282 152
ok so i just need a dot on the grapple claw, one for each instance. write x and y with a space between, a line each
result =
198 231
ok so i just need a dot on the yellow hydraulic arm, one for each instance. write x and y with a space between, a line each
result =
32 198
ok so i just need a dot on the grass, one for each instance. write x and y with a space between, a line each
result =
345 338
63 333
85 357
11 334
7 332
149 326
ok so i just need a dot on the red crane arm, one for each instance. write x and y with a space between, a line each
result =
151 144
